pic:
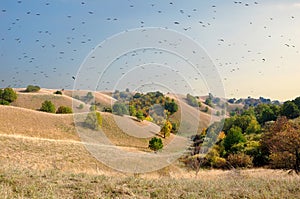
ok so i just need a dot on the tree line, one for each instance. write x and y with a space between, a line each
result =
264 135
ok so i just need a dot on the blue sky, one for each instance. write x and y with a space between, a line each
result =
253 44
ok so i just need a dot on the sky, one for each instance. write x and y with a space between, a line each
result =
247 48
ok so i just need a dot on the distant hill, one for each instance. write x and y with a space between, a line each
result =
253 102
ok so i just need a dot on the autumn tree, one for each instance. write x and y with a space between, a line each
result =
283 142
166 129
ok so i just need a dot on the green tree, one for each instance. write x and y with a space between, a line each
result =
172 107
234 136
89 96
155 144
132 110
192 100
266 112
297 102
48 106
290 110
243 121
253 126
208 102
140 115
64 110
120 109
9 95
93 120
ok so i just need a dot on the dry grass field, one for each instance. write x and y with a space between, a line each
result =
34 100
27 183
41 156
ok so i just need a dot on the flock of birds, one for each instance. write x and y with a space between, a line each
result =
69 51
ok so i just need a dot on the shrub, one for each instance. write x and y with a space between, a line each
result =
155 144
7 95
93 120
58 92
219 163
80 106
4 102
48 106
64 110
208 102
107 109
149 118
175 127
120 109
192 100
240 160
140 115
205 110
31 88
93 108
89 96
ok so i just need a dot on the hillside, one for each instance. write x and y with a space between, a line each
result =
34 100
21 121
42 156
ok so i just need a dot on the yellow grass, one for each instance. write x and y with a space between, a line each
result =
41 156
34 100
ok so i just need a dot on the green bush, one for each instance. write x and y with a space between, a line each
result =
140 115
192 100
205 110
93 108
120 109
64 110
58 92
7 95
89 96
48 106
80 106
31 88
4 102
107 109
155 144
93 120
